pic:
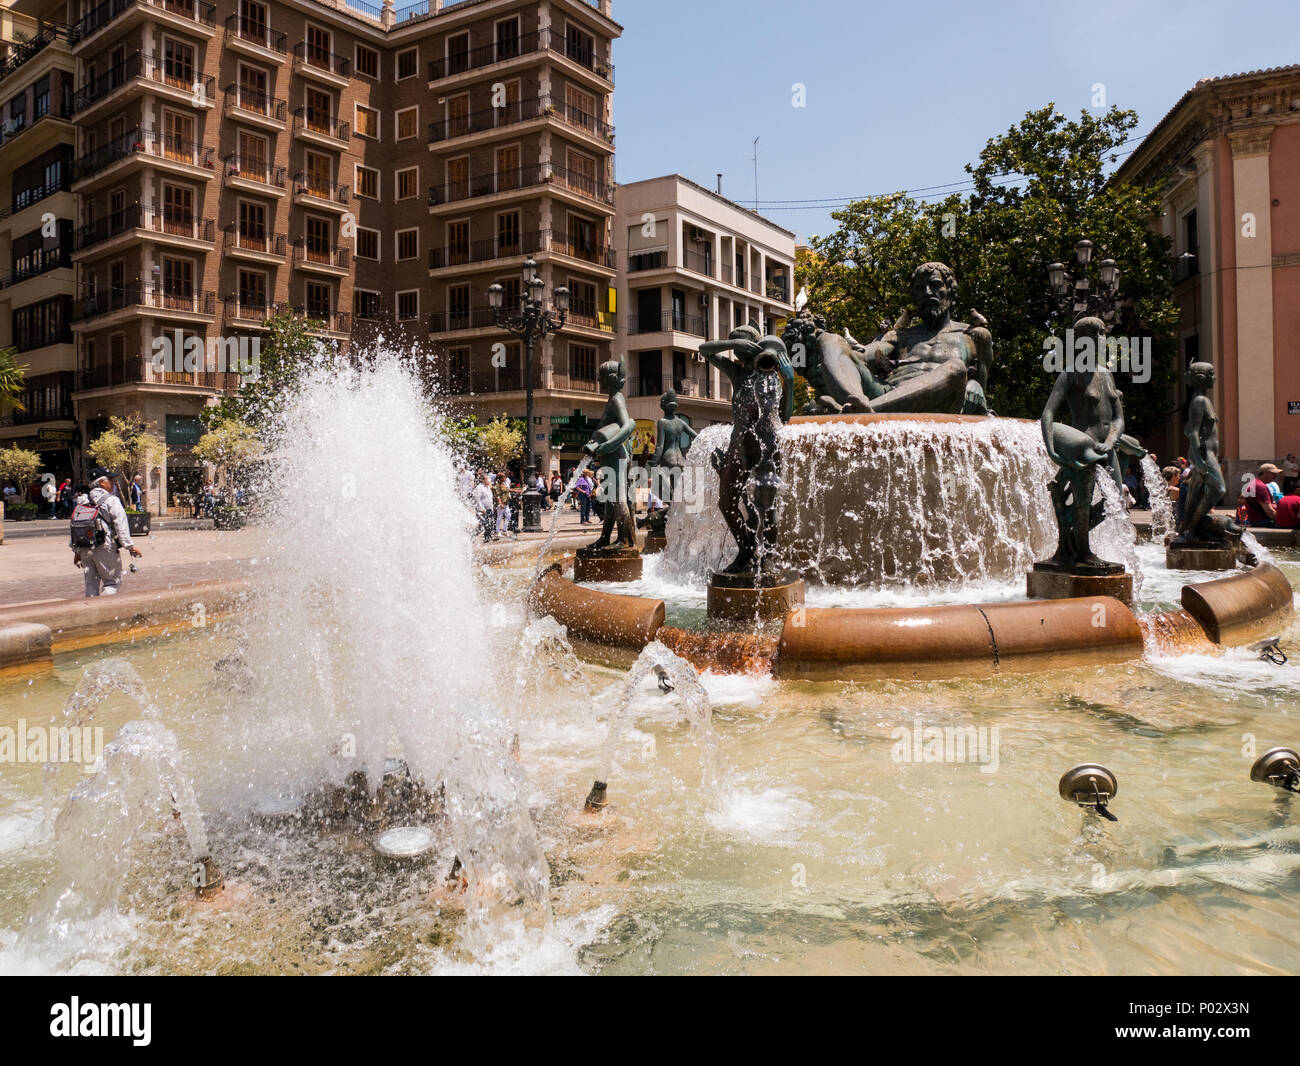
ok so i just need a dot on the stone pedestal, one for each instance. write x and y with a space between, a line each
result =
1050 583
742 598
654 542
606 564
1200 557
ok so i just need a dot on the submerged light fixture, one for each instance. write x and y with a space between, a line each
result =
1090 785
1279 767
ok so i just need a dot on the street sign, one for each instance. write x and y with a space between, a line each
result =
1293 407
59 437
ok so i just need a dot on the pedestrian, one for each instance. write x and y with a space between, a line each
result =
1290 474
557 489
137 493
516 505
583 490
541 491
50 494
485 506
501 493
65 498
1257 498
99 533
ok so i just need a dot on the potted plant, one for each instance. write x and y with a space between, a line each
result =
231 445
128 447
20 512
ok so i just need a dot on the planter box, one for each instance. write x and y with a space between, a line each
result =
138 523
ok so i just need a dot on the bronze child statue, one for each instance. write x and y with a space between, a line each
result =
673 436
749 470
1205 487
610 446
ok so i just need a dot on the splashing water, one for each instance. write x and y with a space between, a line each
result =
1162 507
370 638
1114 538
555 516
544 653
684 684
885 504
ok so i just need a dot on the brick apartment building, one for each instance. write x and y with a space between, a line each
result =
180 168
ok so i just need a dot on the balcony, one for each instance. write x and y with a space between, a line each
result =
323 194
252 175
256 39
699 263
589 318
507 181
146 144
639 262
329 322
581 120
144 71
666 322
336 261
778 291
10 130
325 130
312 62
152 220
36 264
25 198
485 251
193 15
501 52
455 321
141 372
259 247
583 185
597 255
138 297
249 312
42 34
490 118
256 107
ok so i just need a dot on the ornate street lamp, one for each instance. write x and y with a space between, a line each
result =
1074 293
531 322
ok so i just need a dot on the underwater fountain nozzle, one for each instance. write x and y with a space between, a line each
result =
665 682
208 878
1090 785
596 800
1268 651
1279 767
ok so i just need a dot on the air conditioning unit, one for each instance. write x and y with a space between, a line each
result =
694 233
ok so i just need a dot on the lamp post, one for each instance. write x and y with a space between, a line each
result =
1074 293
531 322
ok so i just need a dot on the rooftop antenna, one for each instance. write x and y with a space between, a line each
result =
719 184
755 175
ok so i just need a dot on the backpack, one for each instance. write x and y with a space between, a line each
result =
86 531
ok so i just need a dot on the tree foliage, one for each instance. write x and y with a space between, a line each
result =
18 466
229 445
13 379
501 441
1037 189
128 447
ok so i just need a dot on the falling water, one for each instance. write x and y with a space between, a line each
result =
1162 507
678 678
370 638
896 503
1114 539
544 655
555 516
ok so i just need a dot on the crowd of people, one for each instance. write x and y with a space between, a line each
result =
1270 497
496 497
55 498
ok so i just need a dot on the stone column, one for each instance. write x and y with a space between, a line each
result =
1252 219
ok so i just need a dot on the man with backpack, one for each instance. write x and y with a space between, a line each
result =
99 532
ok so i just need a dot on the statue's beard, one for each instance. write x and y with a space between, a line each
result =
933 312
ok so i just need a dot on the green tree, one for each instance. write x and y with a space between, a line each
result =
230 446
18 466
501 441
13 379
286 355
128 447
1037 189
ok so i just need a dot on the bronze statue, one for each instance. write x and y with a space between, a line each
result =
1205 487
937 365
831 363
749 470
673 436
1092 438
611 446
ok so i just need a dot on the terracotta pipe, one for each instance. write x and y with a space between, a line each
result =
600 617
1241 608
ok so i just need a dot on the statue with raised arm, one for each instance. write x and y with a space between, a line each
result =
673 436
1206 487
610 448
749 469
832 365
936 365
1096 427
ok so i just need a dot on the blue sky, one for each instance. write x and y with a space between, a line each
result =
898 95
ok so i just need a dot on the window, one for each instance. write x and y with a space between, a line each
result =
458 53
320 106
408 183
18 113
252 225
178 63
252 289
408 123
252 90
579 46
582 362
319 47
41 98
365 304
458 370
508 233
178 210
319 301
508 172
317 231
251 162
407 63
177 282
367 61
457 178
581 172
367 121
368 182
508 39
457 306
458 242
252 21
582 299
368 244
580 107
408 304
408 243
458 121
320 174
